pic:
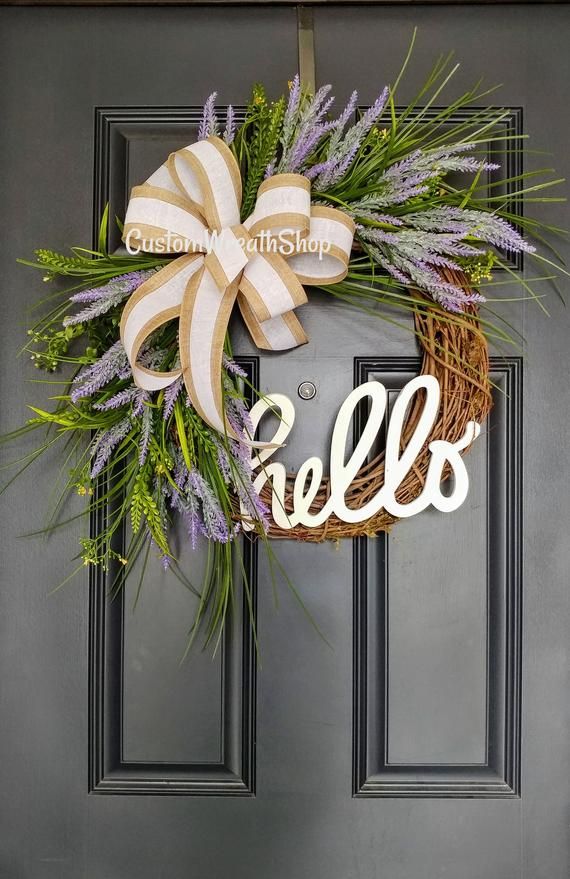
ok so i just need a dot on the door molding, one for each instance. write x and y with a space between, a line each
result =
234 774
498 776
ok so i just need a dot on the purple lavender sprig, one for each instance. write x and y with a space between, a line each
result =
170 397
100 300
209 123
242 477
413 176
291 113
146 432
270 169
120 399
233 368
106 442
341 123
343 151
425 277
215 523
140 401
482 225
230 129
113 364
304 132
184 501
237 412
414 257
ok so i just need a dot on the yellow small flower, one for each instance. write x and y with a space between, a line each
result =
384 133
259 99
82 490
290 84
89 491
123 561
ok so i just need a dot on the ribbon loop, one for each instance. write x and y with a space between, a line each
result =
282 209
208 174
191 206
161 221
326 252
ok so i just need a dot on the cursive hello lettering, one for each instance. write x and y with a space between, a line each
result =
342 472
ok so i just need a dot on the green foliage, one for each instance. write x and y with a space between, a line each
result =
143 504
54 345
59 264
256 143
137 508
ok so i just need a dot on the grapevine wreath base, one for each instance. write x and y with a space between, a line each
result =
456 353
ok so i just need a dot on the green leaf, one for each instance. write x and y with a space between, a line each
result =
103 228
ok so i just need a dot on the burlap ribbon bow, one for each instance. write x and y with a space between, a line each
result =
191 205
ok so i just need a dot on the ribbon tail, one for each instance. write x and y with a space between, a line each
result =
275 334
269 292
204 319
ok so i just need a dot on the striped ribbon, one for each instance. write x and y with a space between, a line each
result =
191 206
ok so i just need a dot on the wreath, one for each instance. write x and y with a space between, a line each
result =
364 205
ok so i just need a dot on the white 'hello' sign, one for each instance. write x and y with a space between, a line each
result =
343 472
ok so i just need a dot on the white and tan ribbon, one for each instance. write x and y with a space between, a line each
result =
191 206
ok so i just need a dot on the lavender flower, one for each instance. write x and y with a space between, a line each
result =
428 240
411 177
230 129
412 256
152 358
387 219
106 442
307 130
223 463
165 561
139 403
113 364
416 244
481 225
234 464
233 368
209 122
341 153
191 516
290 117
215 522
170 396
237 412
122 398
146 433
341 122
270 170
242 480
184 501
100 300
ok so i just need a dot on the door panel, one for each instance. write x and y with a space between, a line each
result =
437 648
402 749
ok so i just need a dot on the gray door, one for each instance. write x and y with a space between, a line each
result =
430 739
